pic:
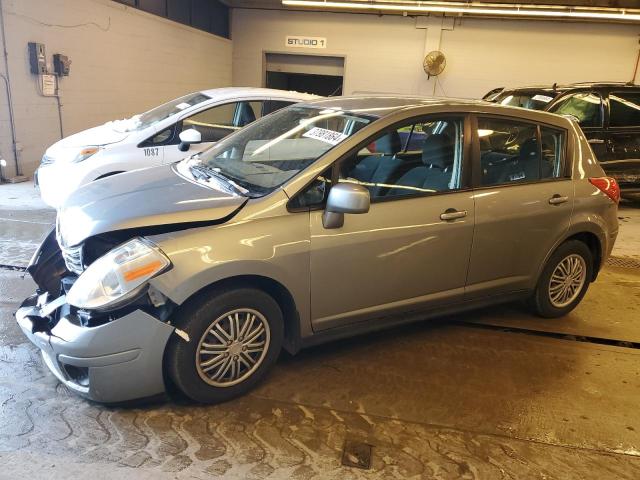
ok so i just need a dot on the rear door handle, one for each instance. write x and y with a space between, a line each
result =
452 214
557 200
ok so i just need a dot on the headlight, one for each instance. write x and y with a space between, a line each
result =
85 153
117 276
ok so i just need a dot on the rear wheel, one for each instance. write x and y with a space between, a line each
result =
564 280
235 336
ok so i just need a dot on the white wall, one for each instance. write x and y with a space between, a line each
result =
124 61
384 54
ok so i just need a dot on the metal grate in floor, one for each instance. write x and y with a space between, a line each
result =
624 262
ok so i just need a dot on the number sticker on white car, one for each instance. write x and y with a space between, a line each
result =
151 152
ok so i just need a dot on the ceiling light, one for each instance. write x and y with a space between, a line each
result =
476 8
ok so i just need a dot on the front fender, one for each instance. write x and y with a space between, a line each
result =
203 256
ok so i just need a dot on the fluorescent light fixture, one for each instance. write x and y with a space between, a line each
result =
476 8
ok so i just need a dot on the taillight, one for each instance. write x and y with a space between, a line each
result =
608 186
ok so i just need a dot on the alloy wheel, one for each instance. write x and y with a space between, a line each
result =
567 280
233 347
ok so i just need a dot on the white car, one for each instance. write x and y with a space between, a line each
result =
160 136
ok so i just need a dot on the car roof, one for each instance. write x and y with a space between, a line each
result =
228 93
381 105
564 87
384 105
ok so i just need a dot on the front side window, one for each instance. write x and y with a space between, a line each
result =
585 107
216 123
269 152
512 152
213 124
625 109
411 159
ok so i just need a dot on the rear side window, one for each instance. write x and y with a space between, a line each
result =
625 109
553 144
273 105
512 152
585 107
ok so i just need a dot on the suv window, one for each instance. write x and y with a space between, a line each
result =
624 109
511 153
410 159
584 106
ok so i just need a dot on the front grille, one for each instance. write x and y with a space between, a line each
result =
73 258
46 160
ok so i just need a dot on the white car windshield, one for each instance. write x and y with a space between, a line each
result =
269 152
155 115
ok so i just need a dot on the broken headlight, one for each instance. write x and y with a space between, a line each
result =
118 275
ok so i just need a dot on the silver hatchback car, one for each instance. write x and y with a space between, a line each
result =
319 221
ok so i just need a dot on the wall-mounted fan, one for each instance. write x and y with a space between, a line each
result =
434 63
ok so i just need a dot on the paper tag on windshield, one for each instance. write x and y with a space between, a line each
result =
182 106
542 98
324 135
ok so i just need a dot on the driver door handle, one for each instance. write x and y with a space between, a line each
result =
452 214
557 200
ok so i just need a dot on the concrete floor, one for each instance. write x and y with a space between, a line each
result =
489 394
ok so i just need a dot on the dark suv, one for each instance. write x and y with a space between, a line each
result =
532 98
609 114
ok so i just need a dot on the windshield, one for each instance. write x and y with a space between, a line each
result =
267 153
530 100
155 115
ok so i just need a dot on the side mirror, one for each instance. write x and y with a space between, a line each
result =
187 137
345 198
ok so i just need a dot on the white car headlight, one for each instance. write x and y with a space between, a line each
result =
85 153
118 275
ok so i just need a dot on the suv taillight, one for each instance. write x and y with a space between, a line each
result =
608 186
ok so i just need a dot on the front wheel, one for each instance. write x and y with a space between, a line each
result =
235 336
564 280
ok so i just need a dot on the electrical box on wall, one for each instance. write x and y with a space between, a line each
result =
61 64
37 58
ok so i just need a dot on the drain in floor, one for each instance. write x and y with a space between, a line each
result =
624 262
356 454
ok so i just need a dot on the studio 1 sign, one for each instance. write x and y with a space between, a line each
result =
306 42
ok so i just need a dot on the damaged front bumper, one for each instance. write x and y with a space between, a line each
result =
116 361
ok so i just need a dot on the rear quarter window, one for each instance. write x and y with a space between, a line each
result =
624 109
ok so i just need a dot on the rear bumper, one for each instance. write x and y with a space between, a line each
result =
115 362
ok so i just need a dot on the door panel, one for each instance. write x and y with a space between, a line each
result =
524 206
400 256
516 227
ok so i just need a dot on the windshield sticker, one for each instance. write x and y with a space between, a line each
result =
182 106
324 135
542 98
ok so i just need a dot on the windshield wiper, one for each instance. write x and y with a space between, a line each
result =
203 172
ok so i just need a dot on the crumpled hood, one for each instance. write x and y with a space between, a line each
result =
149 197
97 136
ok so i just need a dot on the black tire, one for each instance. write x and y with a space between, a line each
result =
195 318
541 301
